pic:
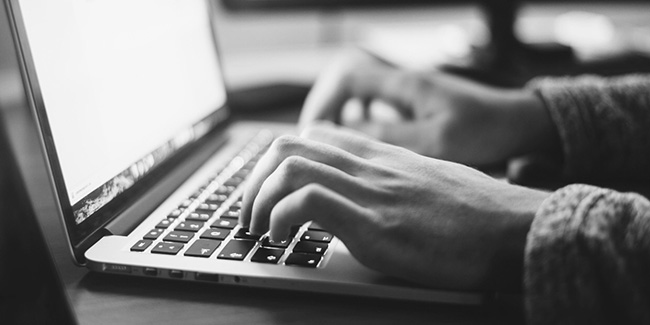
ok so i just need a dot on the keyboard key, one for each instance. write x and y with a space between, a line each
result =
242 173
233 181
224 223
218 234
164 223
269 243
192 226
186 203
153 233
175 214
236 205
230 214
141 245
308 260
202 248
236 250
267 255
194 216
216 199
226 190
310 247
167 248
249 166
179 236
319 236
243 233
207 208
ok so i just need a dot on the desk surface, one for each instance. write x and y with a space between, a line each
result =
114 299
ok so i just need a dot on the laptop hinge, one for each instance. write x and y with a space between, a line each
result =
128 220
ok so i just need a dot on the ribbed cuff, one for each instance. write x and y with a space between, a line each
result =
586 258
567 109
602 124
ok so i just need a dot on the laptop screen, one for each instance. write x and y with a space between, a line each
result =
124 84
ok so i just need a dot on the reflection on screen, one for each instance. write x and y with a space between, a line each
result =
125 83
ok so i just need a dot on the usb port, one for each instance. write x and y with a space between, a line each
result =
176 274
207 277
150 271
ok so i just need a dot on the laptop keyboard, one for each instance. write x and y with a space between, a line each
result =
205 225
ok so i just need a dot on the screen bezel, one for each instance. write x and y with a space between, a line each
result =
83 235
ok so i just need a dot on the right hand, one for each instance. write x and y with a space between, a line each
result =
422 219
444 116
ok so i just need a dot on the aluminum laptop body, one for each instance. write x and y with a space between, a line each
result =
131 107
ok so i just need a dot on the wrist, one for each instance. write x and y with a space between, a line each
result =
507 265
534 126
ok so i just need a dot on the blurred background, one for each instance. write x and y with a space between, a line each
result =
290 41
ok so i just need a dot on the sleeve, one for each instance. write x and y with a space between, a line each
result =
587 258
603 124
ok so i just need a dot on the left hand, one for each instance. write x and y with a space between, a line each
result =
443 116
418 218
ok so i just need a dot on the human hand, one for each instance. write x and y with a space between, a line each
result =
443 116
422 219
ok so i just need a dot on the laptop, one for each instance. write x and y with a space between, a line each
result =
145 161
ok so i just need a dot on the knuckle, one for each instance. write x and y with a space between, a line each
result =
310 131
292 166
284 143
310 195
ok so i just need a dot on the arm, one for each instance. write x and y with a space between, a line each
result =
588 258
603 123
600 124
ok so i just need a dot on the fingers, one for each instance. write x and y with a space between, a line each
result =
335 212
291 175
352 141
361 76
288 146
414 135
361 138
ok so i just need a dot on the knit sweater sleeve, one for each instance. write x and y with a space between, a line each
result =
603 124
588 258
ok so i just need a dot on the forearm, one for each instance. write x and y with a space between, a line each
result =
602 123
587 258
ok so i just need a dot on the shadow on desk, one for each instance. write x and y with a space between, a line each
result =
170 302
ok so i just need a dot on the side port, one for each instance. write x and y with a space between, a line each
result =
116 268
150 271
176 274
209 277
